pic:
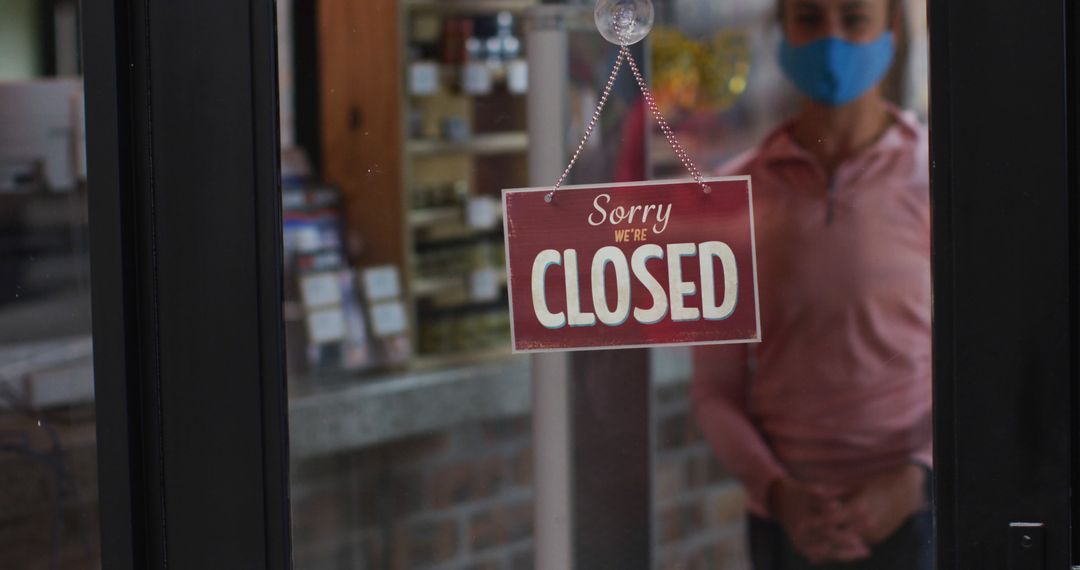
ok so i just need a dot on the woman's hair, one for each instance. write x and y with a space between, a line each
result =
893 86
780 8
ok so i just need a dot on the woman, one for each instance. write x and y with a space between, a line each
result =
827 421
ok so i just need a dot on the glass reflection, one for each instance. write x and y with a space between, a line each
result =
48 453
826 423
411 438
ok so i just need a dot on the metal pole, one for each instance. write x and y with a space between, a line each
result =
548 78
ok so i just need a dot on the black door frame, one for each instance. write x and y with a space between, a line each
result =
1005 280
185 223
185 245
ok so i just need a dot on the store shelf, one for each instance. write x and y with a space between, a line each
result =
49 373
450 75
455 288
449 232
341 412
434 362
423 217
420 218
470 6
359 414
449 236
495 143
430 286
440 391
449 306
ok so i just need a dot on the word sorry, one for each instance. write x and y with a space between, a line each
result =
630 214
661 300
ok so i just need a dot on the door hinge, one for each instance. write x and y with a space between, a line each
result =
1027 546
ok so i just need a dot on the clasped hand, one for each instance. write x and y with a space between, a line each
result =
826 525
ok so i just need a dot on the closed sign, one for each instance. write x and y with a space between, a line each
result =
630 265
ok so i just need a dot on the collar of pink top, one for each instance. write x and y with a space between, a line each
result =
780 146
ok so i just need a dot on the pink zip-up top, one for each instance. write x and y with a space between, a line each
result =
839 388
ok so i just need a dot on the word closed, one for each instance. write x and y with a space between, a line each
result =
631 265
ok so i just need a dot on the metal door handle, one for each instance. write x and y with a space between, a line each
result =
1027 546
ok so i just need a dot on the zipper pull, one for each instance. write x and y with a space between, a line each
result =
830 200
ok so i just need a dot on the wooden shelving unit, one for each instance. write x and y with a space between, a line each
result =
495 143
426 217
407 179
470 6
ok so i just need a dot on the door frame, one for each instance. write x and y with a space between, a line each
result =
186 247
185 233
1003 167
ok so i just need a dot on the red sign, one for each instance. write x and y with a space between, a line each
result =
630 265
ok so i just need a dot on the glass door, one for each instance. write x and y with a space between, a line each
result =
418 440
305 360
49 505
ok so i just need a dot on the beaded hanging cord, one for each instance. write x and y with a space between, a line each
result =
680 153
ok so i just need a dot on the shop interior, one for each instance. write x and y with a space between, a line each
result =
401 121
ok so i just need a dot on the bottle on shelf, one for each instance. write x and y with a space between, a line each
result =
475 77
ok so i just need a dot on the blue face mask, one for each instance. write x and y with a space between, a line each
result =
835 71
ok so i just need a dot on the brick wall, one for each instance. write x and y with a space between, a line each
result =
462 499
698 507
48 497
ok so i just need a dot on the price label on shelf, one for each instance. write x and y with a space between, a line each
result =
482 212
381 283
484 284
476 78
320 290
307 239
423 78
517 76
326 325
388 318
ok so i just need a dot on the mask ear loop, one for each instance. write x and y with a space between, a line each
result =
680 152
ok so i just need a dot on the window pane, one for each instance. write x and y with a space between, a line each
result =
402 120
48 498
